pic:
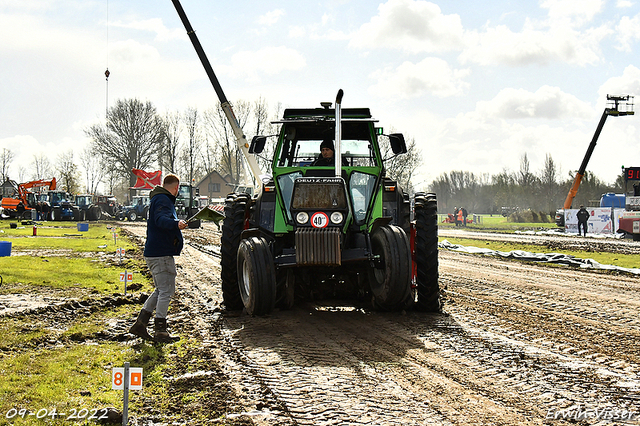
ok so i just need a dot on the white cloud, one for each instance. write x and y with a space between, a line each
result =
429 76
547 102
154 26
534 46
626 84
417 26
627 32
412 25
624 3
269 61
271 17
573 12
297 31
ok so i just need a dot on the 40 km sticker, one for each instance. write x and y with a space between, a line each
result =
319 220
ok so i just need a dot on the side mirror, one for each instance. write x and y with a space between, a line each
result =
398 146
257 144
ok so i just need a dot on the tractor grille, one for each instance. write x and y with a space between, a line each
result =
318 246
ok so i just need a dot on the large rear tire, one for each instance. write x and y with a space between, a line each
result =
390 280
232 226
56 214
426 252
256 276
97 212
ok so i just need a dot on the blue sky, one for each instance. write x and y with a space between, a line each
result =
476 84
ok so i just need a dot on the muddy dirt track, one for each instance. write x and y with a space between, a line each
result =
517 344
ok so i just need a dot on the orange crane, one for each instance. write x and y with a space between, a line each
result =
24 200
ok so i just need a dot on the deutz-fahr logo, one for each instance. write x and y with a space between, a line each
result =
319 180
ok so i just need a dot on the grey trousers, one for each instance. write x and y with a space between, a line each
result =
163 270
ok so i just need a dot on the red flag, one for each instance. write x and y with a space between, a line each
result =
146 180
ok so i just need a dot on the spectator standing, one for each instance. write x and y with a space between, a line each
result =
164 241
583 218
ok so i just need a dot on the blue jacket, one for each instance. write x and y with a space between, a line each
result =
164 238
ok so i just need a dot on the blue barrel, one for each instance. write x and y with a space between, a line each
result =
5 248
83 227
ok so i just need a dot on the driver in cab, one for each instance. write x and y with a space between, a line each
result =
327 152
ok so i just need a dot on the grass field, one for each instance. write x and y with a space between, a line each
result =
617 259
61 366
497 223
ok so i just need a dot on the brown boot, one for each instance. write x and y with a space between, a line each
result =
161 334
140 327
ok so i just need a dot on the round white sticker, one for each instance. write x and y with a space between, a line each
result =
319 220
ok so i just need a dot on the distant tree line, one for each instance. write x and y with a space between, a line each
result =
542 191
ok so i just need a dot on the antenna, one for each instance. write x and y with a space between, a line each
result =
107 73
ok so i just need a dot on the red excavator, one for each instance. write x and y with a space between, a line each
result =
24 201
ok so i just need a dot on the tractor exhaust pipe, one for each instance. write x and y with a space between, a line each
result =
338 138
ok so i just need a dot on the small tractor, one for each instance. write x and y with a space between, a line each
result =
137 210
108 204
310 231
188 204
61 207
88 209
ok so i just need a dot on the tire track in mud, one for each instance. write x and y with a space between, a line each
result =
572 325
519 340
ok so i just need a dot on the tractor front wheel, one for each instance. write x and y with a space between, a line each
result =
256 276
390 278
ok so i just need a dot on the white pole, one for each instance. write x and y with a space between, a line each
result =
338 148
125 402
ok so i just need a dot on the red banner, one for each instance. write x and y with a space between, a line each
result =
146 180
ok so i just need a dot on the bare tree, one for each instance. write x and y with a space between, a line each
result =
131 138
168 159
549 183
263 127
228 155
41 167
68 172
6 157
401 167
93 170
22 173
191 149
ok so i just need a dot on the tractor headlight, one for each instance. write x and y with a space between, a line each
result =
302 217
336 217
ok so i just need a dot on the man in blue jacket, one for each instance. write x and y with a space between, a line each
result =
164 240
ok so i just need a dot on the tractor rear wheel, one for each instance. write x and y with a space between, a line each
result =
97 212
426 252
56 214
256 276
390 279
232 226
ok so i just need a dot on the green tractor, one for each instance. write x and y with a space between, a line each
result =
318 230
314 230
